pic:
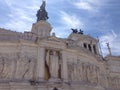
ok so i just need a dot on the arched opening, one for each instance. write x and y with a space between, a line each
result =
55 88
59 72
85 45
89 46
94 48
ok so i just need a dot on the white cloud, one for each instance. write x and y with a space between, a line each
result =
84 5
33 8
61 31
53 1
89 5
113 39
71 21
21 15
94 2
9 2
66 22
109 37
18 25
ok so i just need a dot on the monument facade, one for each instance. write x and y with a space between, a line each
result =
36 60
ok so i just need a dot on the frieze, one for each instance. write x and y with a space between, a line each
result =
16 66
83 72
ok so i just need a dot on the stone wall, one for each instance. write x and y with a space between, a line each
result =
51 63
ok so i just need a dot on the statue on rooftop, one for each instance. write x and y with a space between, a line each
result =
42 13
80 32
74 30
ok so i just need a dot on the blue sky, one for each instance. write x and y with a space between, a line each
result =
98 18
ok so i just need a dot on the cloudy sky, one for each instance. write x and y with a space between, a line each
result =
98 18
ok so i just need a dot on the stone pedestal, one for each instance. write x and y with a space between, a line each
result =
41 28
54 80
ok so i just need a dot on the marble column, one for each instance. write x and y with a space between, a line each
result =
92 49
64 66
40 63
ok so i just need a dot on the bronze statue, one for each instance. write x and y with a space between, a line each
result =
42 13
80 32
42 7
74 30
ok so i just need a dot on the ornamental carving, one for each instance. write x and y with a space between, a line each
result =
86 72
16 66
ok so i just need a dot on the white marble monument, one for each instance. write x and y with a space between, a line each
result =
36 60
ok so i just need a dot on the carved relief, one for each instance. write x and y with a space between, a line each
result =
16 66
80 71
114 83
84 72
25 67
75 71
88 73
4 67
71 71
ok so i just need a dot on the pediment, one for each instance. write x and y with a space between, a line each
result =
55 39
52 42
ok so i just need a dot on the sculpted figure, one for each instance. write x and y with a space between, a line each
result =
91 73
54 66
2 64
70 71
41 13
94 77
74 30
25 66
28 73
52 60
42 7
79 71
4 67
75 71
97 74
80 32
84 70
88 73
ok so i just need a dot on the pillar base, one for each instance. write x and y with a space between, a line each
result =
54 80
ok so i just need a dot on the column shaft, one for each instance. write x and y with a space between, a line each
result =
40 63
